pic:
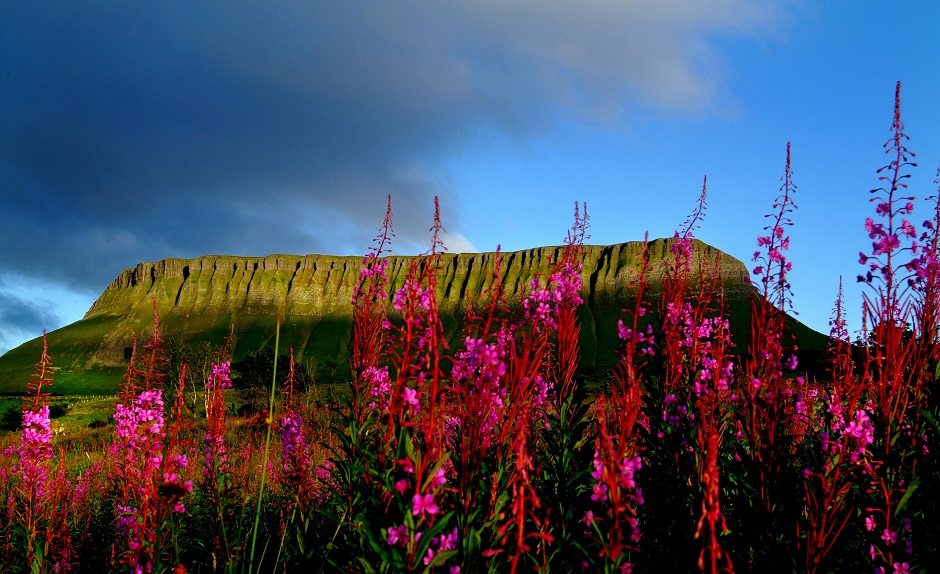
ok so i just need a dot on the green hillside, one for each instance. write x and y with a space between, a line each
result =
199 299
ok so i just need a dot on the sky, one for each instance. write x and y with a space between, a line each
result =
137 131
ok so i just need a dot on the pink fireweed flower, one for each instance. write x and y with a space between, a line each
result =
379 387
902 568
406 465
34 450
137 422
543 303
889 536
540 400
397 535
442 543
479 369
644 341
429 556
295 461
887 244
410 396
870 523
412 291
220 376
424 504
908 229
448 541
860 433
373 275
627 469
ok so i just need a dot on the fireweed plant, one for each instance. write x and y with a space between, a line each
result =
686 433
147 476
898 351
770 414
480 444
36 497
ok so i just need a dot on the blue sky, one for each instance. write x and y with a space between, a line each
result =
137 131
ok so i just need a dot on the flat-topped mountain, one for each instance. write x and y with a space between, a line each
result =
199 299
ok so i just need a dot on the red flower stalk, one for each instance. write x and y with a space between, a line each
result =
140 430
618 414
152 462
713 388
154 357
616 463
42 377
896 358
369 304
178 444
677 275
295 457
844 438
58 547
127 390
34 505
415 353
478 390
567 280
768 406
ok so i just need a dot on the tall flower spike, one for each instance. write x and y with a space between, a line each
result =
437 244
886 239
369 302
155 358
772 262
385 233
43 377
694 220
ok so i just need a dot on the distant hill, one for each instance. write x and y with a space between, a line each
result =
198 299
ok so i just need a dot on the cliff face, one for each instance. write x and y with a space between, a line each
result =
314 285
203 296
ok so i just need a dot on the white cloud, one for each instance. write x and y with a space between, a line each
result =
457 243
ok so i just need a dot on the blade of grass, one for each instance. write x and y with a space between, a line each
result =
267 444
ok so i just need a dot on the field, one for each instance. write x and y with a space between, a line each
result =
500 455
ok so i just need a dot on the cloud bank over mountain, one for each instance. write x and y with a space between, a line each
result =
137 131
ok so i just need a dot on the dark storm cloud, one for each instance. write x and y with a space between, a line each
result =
133 131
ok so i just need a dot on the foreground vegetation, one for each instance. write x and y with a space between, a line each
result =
498 456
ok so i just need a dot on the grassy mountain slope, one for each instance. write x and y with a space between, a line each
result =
198 300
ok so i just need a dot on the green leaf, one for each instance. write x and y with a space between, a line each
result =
928 416
907 495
